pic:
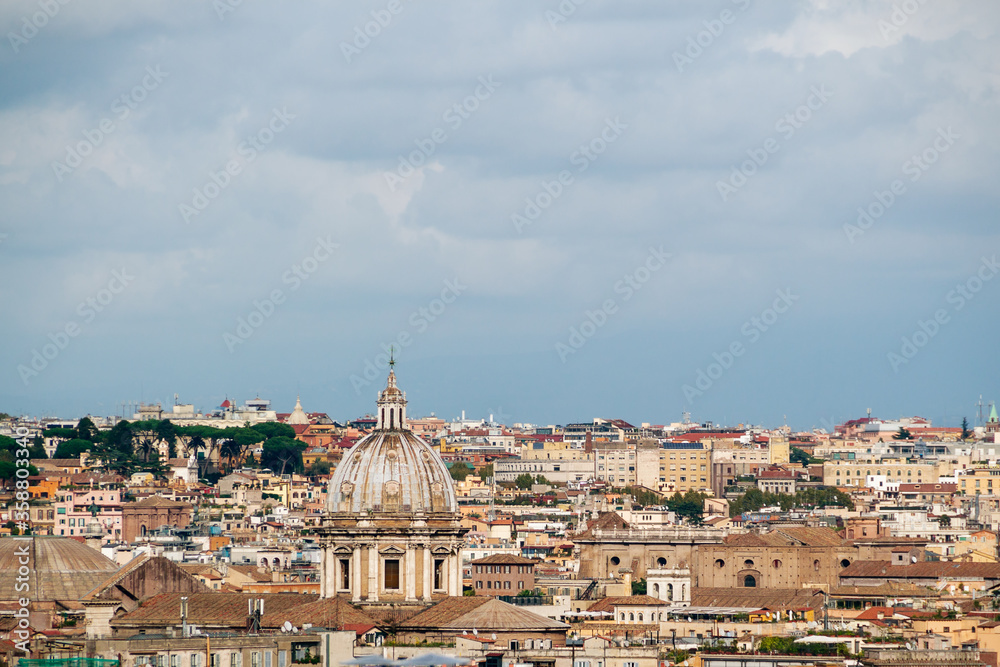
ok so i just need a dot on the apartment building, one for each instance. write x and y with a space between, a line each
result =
854 473
683 467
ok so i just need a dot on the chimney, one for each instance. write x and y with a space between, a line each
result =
588 444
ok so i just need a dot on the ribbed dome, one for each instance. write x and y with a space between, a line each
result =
60 568
391 470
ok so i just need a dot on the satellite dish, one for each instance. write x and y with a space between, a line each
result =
913 559
286 626
493 636
475 632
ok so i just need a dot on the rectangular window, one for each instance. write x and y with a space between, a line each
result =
438 574
195 660
268 660
255 659
391 578
345 574
282 658
234 659
175 661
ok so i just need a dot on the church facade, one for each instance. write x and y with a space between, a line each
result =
391 532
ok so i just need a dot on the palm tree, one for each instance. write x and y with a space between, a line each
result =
231 451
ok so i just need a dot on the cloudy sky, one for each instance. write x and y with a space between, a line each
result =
554 211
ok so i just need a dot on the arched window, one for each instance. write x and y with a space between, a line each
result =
640 617
776 563
719 563
670 592
631 616
749 581
656 590
623 616
816 565
748 562
661 561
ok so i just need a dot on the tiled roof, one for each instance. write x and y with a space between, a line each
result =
484 613
504 559
871 614
787 537
209 609
771 598
324 613
927 570
606 521
609 603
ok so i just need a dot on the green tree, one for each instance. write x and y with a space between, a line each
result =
639 587
459 470
690 506
524 480
85 430
37 448
278 453
486 471
8 470
145 438
235 447
902 434
274 430
120 439
798 456
72 449
966 433
318 467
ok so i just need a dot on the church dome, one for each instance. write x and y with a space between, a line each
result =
391 470
59 568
